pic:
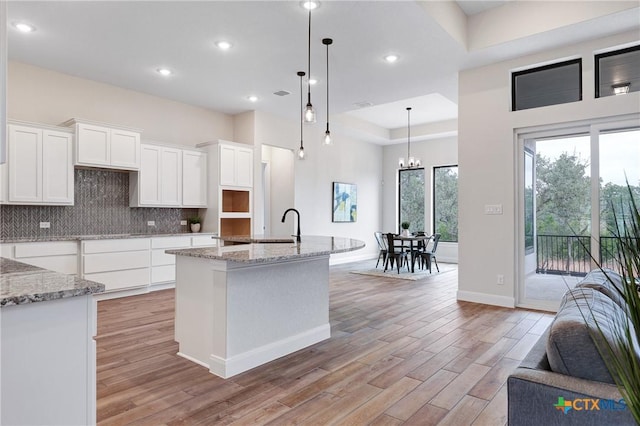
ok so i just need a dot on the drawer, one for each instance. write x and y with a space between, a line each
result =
106 246
159 257
67 264
6 251
56 248
203 240
161 274
121 279
115 261
170 242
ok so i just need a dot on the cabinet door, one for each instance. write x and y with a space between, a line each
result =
194 179
4 183
227 165
25 164
171 177
125 149
149 175
92 145
57 167
244 167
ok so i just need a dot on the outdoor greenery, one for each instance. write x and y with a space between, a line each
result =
445 199
412 198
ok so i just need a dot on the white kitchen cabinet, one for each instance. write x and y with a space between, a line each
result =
58 256
4 183
106 146
40 166
158 183
117 263
236 166
194 179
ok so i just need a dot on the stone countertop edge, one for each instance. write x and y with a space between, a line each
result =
43 239
311 246
21 284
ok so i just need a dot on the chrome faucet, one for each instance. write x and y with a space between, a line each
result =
285 215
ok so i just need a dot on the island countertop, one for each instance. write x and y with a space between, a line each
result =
21 284
310 246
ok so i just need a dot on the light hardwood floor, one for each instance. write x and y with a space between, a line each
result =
400 352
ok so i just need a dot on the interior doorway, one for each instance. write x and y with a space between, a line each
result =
278 188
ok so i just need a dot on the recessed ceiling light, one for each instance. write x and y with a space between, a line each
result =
391 58
312 81
24 28
164 71
252 98
310 4
224 45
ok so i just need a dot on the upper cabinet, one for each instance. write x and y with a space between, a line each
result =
194 178
169 177
236 166
40 166
106 146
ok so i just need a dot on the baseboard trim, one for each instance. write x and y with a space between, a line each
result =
486 299
237 364
192 359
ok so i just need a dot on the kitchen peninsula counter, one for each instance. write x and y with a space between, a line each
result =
241 306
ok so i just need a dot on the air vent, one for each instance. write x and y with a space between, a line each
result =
363 104
281 93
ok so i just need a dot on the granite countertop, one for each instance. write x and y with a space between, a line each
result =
21 284
257 239
309 246
40 239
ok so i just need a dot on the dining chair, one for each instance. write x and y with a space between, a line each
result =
428 256
395 253
382 245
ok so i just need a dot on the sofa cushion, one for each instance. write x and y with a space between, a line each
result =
571 349
607 282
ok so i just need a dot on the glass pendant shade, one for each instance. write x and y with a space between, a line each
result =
309 114
401 162
301 153
327 138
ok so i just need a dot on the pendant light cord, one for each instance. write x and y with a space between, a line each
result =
327 44
309 62
408 133
301 74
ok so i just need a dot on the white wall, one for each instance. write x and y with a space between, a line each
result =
487 154
280 191
44 96
348 160
432 153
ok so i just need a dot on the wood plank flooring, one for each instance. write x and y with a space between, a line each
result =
400 352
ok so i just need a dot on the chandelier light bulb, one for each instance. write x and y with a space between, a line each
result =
309 114
327 138
301 153
401 162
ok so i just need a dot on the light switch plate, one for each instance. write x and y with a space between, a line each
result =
493 209
45 225
151 223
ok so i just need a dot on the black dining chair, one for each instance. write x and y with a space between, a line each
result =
382 245
428 256
395 253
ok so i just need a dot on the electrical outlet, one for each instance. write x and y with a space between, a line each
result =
151 223
493 209
500 280
183 223
45 225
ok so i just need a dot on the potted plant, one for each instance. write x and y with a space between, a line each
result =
194 223
405 228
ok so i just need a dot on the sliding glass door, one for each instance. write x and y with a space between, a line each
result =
569 181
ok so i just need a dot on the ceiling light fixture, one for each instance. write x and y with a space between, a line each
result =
252 98
309 112
413 162
24 28
223 45
310 5
391 58
301 74
312 81
621 88
164 71
327 133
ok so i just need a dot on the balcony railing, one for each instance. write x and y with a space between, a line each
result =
569 254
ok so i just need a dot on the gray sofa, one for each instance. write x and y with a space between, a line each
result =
563 380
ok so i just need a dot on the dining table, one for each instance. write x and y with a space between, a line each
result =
412 239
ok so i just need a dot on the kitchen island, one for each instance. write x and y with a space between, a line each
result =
47 350
241 306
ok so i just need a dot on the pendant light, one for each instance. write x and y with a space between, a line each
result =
412 161
301 150
327 134
309 112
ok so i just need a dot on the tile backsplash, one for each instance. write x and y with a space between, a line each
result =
101 207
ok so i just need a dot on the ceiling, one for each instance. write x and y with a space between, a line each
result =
123 43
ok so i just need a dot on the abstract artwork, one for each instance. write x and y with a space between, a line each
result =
345 202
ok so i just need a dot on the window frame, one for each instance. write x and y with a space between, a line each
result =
596 62
400 193
434 204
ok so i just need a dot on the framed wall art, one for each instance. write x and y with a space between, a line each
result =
345 202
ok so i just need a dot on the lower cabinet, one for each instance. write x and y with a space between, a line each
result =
163 265
58 256
117 263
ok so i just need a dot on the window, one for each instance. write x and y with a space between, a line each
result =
618 71
445 203
411 198
548 85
